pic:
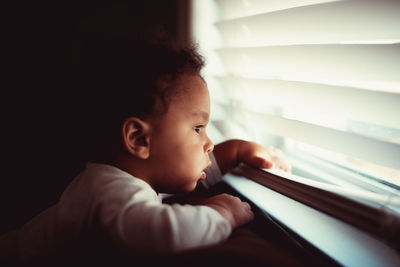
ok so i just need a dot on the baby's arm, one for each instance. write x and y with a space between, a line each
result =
135 219
230 153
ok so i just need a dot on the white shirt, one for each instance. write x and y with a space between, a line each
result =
127 211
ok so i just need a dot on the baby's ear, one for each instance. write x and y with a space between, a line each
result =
136 137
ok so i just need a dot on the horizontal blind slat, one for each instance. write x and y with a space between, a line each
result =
355 145
343 21
241 8
351 103
363 66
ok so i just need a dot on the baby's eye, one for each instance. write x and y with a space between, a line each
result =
198 128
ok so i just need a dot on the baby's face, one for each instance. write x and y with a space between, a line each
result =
179 145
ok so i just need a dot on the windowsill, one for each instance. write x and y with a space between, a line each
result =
341 241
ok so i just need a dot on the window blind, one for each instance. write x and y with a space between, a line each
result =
322 74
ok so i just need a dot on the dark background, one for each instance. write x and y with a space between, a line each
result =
41 144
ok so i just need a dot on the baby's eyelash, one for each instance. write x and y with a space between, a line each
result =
197 128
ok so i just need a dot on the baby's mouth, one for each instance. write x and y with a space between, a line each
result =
203 174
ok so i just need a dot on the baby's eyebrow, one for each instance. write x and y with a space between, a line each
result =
205 115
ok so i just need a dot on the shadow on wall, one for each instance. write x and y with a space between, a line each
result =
42 149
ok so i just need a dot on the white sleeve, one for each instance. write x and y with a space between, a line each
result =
139 221
214 174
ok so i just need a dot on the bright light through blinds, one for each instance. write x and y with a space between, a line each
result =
315 76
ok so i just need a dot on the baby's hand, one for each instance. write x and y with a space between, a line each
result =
262 157
231 208
231 152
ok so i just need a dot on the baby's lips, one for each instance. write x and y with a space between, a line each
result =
203 174
208 166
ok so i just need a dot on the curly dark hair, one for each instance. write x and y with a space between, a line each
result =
118 77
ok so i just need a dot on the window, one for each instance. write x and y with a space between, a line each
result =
319 79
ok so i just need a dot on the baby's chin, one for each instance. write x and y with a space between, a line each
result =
186 188
189 188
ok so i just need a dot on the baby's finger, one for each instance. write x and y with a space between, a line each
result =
250 215
246 205
260 162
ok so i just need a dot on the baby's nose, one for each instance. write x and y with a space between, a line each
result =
209 147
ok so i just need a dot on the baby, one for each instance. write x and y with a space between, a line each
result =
146 110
